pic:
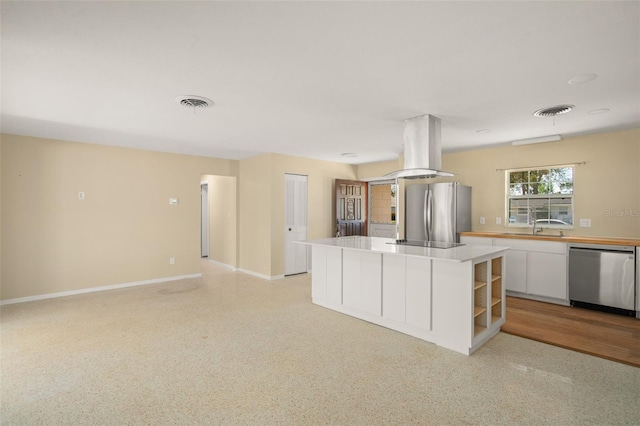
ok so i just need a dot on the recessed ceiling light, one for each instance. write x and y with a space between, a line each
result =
349 155
599 111
583 78
191 101
553 111
483 131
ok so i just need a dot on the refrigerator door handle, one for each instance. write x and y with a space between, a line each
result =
424 213
428 225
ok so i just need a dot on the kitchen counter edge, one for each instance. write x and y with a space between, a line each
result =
564 239
382 245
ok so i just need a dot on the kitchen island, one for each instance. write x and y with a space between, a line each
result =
452 297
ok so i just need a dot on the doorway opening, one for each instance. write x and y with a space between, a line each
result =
218 220
382 208
204 220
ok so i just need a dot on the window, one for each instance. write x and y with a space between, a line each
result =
383 203
542 195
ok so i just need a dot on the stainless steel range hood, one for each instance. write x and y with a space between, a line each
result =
422 151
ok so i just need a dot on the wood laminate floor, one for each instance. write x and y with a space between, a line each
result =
596 333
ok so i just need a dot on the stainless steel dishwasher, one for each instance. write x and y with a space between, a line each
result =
603 277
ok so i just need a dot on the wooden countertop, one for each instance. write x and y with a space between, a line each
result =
564 239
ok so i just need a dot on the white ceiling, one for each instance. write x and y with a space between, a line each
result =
315 79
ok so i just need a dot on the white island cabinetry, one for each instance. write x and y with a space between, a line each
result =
406 290
451 297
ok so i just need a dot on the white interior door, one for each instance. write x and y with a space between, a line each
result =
295 223
204 220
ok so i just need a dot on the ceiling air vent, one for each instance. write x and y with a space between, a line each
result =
194 101
553 111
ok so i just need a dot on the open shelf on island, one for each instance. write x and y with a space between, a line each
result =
488 303
478 310
496 290
480 297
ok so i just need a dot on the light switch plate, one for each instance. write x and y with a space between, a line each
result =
481 220
498 221
174 201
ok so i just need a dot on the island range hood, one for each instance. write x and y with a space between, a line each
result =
422 151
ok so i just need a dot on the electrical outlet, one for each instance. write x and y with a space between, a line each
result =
172 261
80 195
481 220
498 221
585 223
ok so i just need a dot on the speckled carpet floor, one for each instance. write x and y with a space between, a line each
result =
230 348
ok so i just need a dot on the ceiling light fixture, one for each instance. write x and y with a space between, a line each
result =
191 101
599 111
481 131
349 155
553 111
582 78
541 139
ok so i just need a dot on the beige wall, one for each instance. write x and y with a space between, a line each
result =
222 219
608 183
255 215
262 206
376 170
124 231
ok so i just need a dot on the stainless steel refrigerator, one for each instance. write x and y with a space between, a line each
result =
437 211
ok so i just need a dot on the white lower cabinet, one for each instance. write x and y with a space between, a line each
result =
362 280
406 290
334 275
547 275
371 283
394 294
516 270
327 277
536 268
319 262
418 293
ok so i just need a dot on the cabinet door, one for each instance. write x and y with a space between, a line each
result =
393 287
516 270
547 275
418 312
351 278
362 281
334 274
371 282
319 276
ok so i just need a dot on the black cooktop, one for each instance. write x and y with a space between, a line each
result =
427 244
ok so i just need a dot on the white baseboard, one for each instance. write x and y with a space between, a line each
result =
94 289
264 277
225 265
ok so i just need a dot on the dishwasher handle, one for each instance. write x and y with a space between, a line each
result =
602 248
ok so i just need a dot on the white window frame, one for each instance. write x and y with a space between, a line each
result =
508 197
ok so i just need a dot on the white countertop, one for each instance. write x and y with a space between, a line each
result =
377 244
